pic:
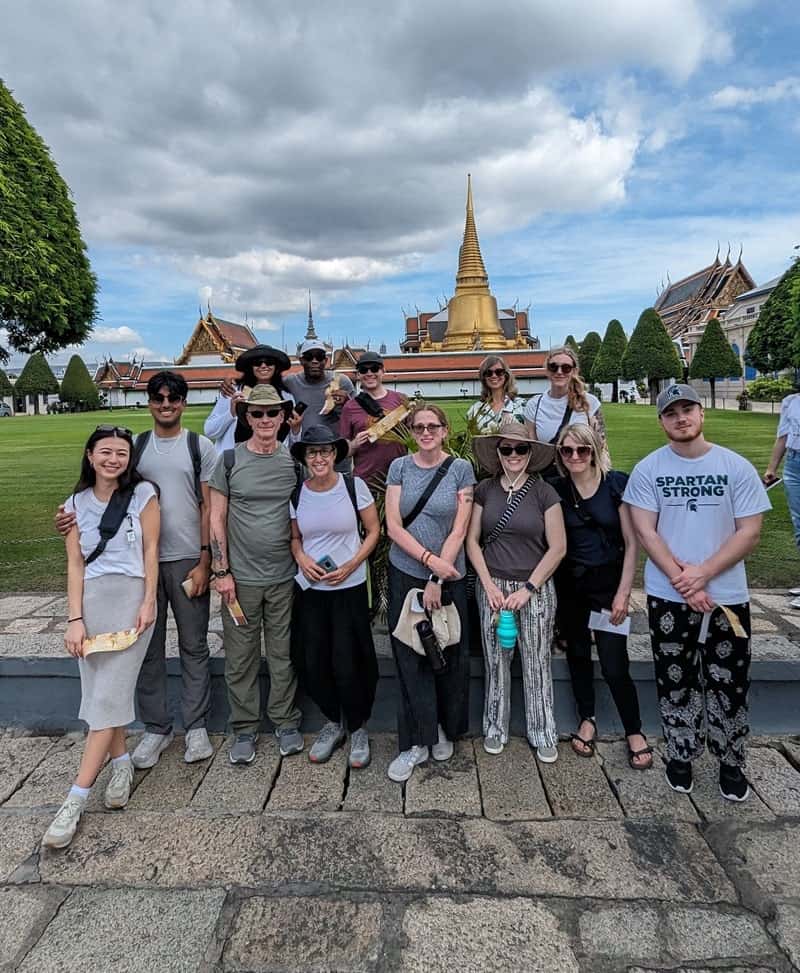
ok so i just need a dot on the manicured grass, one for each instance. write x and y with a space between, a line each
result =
40 458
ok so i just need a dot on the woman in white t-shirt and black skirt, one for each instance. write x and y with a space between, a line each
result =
111 588
332 645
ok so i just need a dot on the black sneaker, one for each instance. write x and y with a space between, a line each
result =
679 776
733 784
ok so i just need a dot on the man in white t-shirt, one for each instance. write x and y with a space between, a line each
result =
787 443
697 510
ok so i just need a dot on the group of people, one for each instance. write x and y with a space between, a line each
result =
280 516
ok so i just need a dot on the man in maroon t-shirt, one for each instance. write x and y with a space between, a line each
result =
370 460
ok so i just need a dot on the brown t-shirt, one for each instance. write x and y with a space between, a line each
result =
520 547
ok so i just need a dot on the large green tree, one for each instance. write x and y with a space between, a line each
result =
47 289
714 358
77 387
608 361
774 342
36 379
650 353
590 346
6 388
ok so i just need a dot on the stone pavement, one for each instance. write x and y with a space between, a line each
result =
480 863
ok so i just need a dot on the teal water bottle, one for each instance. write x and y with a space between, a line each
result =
507 629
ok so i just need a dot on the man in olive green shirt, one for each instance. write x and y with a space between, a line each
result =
252 563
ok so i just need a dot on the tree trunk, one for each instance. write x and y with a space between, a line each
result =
615 390
712 382
653 384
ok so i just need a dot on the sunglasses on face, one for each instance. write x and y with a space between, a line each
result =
260 413
556 367
314 356
582 452
312 451
263 361
421 427
173 398
496 372
115 430
521 449
374 368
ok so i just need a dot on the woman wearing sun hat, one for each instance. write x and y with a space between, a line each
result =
515 542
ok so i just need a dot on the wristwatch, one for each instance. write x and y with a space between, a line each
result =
221 574
435 579
531 587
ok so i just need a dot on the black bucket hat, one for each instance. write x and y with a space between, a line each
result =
319 436
246 359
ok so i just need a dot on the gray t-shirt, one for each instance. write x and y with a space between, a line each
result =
435 521
168 463
313 394
259 535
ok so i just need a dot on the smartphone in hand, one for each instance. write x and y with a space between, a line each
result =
769 486
327 564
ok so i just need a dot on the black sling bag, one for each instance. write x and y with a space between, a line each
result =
112 518
436 479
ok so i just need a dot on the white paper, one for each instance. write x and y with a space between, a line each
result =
601 622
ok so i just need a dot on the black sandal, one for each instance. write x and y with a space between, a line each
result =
633 754
589 744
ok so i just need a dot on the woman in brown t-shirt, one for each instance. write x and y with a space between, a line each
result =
516 540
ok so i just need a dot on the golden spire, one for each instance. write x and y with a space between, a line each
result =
471 271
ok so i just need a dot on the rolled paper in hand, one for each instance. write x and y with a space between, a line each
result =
387 423
334 386
110 642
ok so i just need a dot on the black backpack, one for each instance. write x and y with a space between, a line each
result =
194 451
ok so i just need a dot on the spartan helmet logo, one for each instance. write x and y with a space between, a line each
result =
691 505
674 392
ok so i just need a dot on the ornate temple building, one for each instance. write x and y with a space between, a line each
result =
214 340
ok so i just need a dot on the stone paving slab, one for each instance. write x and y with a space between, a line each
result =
504 936
229 789
763 858
301 934
643 793
786 928
52 778
19 756
172 783
14 606
775 779
446 788
694 934
24 913
303 786
25 626
369 789
573 784
511 789
53 608
128 931
20 835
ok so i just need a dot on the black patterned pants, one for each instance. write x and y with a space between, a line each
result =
702 687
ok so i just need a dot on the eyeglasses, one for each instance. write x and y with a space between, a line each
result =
172 398
115 430
312 451
260 413
263 361
496 372
582 452
521 449
314 356
420 427
363 369
556 367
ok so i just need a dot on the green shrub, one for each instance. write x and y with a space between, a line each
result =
770 389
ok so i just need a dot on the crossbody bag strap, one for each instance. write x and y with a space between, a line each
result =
436 479
564 421
111 521
511 506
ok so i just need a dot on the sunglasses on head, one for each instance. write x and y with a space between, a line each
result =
115 430
314 356
556 367
269 413
521 449
363 369
420 427
582 452
496 372
263 361
172 398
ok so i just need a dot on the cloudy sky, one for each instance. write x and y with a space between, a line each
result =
258 153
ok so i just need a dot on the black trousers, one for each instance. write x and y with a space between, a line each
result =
426 699
702 687
577 597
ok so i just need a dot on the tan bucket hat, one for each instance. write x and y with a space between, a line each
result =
266 395
485 448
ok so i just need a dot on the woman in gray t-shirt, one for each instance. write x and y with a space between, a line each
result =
428 553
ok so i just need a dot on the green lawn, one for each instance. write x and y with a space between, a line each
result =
40 458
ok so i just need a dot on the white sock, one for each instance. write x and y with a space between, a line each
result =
81 792
117 761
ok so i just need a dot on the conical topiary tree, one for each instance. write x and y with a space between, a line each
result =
570 342
77 387
774 342
714 358
651 354
587 354
608 362
36 379
6 388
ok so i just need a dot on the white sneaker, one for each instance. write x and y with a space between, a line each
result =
493 744
198 746
149 749
402 767
794 603
443 748
65 823
794 591
548 755
118 789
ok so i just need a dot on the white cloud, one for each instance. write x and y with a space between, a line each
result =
115 336
734 96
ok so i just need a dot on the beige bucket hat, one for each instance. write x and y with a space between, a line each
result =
485 448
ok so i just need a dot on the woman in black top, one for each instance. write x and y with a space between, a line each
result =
597 575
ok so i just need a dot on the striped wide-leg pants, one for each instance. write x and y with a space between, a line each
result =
535 624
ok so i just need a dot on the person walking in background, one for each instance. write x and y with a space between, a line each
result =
697 511
331 634
597 575
428 505
499 401
515 543
787 449
262 365
111 587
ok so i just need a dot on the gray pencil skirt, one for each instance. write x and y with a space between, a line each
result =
108 679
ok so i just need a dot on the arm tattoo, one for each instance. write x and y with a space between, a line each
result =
599 424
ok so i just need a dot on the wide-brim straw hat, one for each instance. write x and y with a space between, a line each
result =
540 457
319 436
246 359
266 395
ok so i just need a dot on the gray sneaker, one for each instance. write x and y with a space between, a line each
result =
150 748
402 767
118 789
243 750
198 746
493 744
290 740
65 823
547 755
328 739
443 748
359 749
